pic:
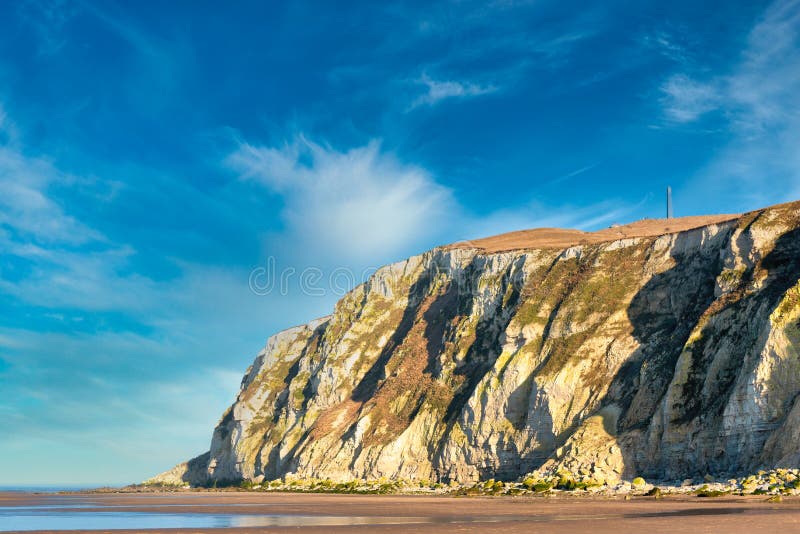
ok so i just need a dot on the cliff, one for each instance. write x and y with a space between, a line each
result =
665 349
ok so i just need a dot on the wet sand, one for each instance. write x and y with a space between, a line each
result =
391 513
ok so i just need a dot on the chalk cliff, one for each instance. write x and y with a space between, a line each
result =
667 350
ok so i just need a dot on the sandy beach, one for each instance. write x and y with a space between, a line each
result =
292 512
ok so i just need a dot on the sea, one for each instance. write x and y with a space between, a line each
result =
50 489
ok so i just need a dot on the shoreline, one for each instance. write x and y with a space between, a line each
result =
432 513
775 482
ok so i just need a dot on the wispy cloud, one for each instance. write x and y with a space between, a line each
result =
145 43
8 130
438 90
95 346
685 100
761 86
25 207
363 203
764 91
466 50
47 18
759 99
158 60
666 44
349 205
573 174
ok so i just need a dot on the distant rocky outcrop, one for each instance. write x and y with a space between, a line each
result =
665 356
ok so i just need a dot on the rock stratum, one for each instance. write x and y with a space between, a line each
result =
664 349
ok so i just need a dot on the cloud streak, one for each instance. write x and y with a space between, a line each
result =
758 99
437 91
25 207
686 100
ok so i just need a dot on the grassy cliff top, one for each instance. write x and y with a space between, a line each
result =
564 238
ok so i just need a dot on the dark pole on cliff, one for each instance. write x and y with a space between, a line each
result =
669 202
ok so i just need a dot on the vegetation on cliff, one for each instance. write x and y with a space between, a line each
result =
667 355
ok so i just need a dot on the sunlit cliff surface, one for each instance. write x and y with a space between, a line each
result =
667 349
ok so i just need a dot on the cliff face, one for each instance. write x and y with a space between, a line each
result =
665 356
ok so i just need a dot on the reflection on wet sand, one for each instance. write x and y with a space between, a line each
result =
313 512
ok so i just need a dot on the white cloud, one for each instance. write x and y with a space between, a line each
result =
347 206
88 280
764 90
110 384
68 263
71 264
362 204
572 174
25 206
442 90
8 129
759 97
761 90
97 390
125 387
666 45
685 99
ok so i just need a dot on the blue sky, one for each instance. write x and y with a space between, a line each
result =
152 155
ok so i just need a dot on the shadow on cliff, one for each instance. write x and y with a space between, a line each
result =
663 314
437 312
370 383
438 315
273 468
481 354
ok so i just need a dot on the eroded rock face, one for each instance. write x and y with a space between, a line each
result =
668 357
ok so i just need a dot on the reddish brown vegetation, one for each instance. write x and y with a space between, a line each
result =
563 238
